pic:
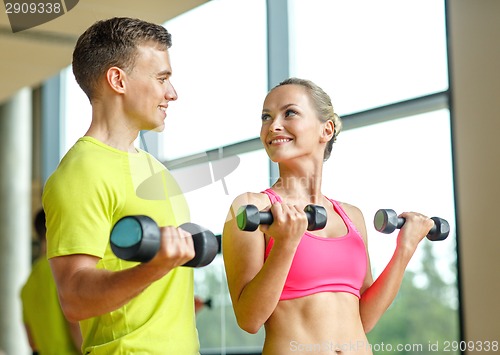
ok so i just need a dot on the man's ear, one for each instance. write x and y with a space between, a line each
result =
115 78
327 131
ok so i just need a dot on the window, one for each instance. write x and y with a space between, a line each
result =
219 68
366 53
76 111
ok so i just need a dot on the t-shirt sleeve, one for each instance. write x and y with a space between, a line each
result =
78 207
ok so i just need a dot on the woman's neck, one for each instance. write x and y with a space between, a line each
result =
300 184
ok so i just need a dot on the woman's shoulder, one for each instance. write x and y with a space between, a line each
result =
258 199
353 212
349 207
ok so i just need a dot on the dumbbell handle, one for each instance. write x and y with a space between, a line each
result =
249 217
386 221
401 222
266 217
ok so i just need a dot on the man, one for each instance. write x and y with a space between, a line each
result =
123 66
47 330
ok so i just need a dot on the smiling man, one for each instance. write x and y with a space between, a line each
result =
123 66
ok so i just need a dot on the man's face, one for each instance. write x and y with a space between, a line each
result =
149 89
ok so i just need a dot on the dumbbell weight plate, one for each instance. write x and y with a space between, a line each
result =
248 218
386 221
206 246
441 229
135 238
316 216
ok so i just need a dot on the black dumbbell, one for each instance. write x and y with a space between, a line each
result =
249 217
386 221
137 238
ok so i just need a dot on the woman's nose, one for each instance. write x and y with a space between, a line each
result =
275 125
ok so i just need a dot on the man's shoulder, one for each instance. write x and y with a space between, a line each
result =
86 160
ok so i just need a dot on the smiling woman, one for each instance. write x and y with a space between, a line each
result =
316 286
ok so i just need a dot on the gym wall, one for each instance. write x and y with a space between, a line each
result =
474 32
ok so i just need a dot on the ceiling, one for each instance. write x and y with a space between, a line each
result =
29 57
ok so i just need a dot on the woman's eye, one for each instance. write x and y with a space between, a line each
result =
289 113
265 117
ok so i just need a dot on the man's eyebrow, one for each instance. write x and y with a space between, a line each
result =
164 73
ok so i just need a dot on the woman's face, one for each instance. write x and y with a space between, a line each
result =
290 125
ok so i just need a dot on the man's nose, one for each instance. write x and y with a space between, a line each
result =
170 93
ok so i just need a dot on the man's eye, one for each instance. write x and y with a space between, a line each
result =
162 80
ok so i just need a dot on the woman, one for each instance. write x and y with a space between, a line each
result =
313 291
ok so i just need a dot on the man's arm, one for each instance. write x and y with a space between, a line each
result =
76 335
85 291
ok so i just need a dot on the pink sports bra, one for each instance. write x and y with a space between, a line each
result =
325 264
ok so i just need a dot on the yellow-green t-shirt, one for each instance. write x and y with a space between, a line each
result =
42 312
93 187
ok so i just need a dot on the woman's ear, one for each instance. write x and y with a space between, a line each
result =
328 130
115 78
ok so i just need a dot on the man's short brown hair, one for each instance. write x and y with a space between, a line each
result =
113 42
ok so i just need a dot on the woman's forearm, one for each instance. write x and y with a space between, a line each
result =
379 296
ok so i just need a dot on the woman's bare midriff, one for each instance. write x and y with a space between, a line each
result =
325 323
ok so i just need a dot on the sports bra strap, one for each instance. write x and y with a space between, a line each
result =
273 196
343 214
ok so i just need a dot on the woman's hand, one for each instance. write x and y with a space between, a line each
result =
416 228
289 225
